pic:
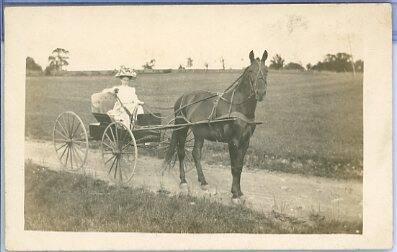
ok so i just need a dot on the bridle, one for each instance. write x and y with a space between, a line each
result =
254 83
254 90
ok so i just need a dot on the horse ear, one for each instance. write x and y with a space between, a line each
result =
264 56
252 57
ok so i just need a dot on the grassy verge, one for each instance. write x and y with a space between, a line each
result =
62 201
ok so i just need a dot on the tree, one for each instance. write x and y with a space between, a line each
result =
340 62
150 64
277 62
58 59
32 66
309 67
294 66
223 63
206 66
359 65
189 62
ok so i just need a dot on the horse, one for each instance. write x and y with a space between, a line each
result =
238 101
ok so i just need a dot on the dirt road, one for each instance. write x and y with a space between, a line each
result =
290 194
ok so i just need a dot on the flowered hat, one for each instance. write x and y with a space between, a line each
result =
125 72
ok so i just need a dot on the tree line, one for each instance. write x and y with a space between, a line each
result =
339 62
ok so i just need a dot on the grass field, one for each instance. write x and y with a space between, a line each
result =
62 201
313 122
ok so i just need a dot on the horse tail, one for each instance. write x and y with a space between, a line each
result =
173 144
171 150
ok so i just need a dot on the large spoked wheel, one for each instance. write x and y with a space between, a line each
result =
165 145
70 140
119 152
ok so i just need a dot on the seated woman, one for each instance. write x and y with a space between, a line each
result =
127 96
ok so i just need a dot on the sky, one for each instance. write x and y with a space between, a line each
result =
101 38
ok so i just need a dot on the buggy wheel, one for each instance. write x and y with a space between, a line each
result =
165 144
119 152
70 140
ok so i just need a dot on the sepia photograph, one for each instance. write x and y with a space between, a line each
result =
199 119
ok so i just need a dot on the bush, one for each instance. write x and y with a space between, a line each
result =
340 62
32 68
277 62
294 66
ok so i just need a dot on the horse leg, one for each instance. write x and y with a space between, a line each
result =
237 154
181 138
197 149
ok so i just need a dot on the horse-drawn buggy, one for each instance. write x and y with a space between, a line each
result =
227 117
118 142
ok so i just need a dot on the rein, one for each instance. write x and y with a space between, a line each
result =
254 92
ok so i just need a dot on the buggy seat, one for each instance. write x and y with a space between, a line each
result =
101 103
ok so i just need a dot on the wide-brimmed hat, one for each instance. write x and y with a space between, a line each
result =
125 72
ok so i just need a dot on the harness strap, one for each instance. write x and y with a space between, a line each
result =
178 113
215 106
231 102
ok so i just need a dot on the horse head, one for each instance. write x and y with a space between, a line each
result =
257 72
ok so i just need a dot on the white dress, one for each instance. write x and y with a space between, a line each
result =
129 99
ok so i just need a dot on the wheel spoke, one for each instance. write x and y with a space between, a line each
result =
63 129
111 147
79 141
110 140
71 156
78 147
120 171
60 140
111 131
63 120
63 126
128 144
67 158
113 156
75 131
117 138
65 144
114 160
115 169
82 140
77 154
63 153
81 145
69 125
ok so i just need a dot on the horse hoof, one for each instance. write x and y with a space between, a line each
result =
237 201
184 188
205 187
